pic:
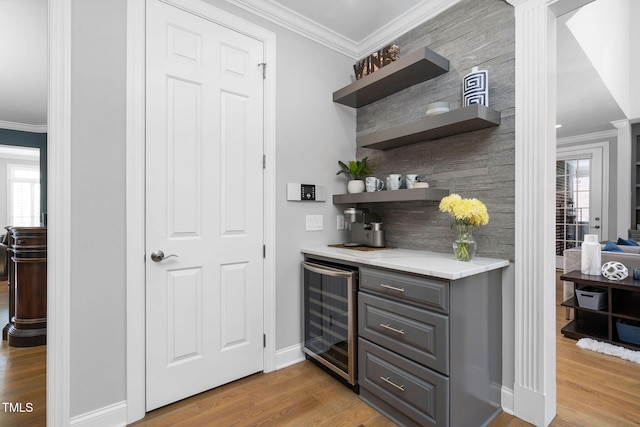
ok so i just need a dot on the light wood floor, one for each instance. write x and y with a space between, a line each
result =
593 390
22 378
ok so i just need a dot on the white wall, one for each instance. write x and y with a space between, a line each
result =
312 134
97 204
608 33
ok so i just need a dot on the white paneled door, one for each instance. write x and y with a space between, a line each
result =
204 206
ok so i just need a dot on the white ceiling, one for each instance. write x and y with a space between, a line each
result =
338 15
353 27
343 25
584 104
23 72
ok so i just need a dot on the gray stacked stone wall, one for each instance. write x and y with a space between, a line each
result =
477 164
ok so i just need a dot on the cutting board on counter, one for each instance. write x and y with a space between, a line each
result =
359 248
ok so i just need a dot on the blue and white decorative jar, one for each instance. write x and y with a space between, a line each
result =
475 88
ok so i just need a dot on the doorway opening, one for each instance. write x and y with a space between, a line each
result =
580 196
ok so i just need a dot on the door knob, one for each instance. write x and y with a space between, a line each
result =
158 256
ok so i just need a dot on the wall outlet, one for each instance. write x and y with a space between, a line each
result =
315 223
340 222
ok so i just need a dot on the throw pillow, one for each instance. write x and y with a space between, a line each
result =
611 247
627 242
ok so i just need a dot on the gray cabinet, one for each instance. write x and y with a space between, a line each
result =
405 391
430 349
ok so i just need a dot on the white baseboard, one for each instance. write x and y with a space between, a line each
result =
110 416
289 356
507 400
116 415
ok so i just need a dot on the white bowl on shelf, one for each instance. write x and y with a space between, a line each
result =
437 108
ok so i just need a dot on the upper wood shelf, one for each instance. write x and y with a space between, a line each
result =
466 119
414 194
415 67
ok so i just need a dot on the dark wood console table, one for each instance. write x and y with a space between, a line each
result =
623 303
27 262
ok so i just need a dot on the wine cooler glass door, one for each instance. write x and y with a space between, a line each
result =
328 318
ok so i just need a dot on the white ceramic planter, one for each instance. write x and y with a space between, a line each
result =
355 186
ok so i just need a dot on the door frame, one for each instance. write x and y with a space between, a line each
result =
600 152
58 390
135 195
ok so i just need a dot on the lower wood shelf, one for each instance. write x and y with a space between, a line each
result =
587 328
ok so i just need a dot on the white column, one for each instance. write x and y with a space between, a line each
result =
535 368
624 165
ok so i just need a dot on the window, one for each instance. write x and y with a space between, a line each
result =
23 208
572 203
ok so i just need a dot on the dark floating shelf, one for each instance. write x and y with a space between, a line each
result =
415 67
414 194
466 119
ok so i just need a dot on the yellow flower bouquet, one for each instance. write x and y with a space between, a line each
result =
467 213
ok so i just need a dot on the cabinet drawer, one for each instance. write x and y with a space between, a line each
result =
27 240
402 389
431 293
416 333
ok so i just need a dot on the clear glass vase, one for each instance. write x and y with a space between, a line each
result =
464 247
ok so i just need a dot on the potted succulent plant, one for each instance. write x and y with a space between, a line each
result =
356 170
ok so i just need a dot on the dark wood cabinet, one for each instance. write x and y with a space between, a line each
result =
604 324
635 176
27 276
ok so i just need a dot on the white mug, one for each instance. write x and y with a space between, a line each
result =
410 179
373 184
394 181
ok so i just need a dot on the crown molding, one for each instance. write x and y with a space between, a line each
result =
620 123
24 127
613 133
300 24
409 20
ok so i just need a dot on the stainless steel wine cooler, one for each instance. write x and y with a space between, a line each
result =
329 316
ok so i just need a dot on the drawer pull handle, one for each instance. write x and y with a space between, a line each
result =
388 381
397 331
393 288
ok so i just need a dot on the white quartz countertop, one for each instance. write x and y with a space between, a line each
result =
412 261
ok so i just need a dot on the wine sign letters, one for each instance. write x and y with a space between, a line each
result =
375 61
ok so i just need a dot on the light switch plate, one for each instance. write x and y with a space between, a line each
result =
315 223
